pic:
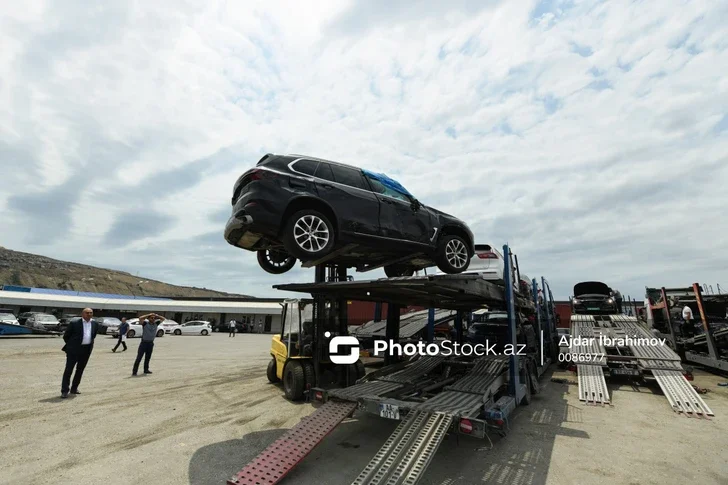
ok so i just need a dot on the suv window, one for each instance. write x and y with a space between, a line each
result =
380 188
324 172
349 176
307 167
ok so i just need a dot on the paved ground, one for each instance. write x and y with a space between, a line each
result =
208 409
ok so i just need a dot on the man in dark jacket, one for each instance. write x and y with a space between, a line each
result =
79 337
123 328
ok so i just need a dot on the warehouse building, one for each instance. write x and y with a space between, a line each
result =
265 312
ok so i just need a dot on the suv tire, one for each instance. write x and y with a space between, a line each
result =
453 255
397 270
297 235
275 261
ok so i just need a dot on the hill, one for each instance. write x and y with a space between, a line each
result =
25 269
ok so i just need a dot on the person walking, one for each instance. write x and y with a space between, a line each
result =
150 324
79 338
232 328
123 328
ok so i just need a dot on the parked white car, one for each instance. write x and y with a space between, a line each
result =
195 327
170 326
8 318
135 329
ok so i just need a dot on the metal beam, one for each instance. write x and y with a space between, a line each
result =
514 386
393 311
712 349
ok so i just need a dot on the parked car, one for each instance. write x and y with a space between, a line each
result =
488 262
135 329
195 327
44 321
7 316
593 298
65 320
108 325
292 207
170 326
484 323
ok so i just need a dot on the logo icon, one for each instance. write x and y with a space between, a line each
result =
343 349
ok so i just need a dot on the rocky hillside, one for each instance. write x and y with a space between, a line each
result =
26 269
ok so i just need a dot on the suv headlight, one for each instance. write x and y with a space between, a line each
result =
576 301
611 300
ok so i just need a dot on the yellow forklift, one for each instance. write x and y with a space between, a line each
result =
301 360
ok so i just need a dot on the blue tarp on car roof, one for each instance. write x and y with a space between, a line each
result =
388 182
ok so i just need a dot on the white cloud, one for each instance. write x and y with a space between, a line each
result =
584 134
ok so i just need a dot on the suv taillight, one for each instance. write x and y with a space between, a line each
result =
259 174
487 255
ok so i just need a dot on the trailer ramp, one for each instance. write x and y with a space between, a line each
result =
680 393
286 452
407 453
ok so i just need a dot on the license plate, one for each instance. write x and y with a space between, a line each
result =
389 411
593 309
625 372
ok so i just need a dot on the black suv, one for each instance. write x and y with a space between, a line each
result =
297 207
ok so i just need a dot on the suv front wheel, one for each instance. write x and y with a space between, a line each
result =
309 235
453 255
275 261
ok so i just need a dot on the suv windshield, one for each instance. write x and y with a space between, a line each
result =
110 321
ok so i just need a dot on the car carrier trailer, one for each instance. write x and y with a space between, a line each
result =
709 348
618 345
431 395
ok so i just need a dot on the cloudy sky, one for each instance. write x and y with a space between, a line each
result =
591 136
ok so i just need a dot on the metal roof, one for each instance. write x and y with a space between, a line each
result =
78 301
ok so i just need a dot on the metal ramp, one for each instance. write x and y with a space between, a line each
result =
279 458
680 393
407 453
592 386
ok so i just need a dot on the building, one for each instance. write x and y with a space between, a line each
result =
265 311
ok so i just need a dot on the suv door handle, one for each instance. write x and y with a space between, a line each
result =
327 186
385 200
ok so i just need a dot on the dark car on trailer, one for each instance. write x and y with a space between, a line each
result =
292 207
593 298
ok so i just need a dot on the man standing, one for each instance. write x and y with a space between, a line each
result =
232 328
79 337
618 300
150 324
123 328
687 314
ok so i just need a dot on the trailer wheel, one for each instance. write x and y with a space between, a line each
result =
294 380
453 255
527 397
397 270
360 370
271 372
309 375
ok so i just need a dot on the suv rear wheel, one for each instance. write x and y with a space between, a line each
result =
309 235
275 261
453 255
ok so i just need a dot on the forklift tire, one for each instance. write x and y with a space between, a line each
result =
294 381
360 370
309 375
271 372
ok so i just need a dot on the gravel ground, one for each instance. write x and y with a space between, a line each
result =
208 409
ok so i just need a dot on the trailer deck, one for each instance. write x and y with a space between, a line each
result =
652 361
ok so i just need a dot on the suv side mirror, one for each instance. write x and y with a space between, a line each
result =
416 205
